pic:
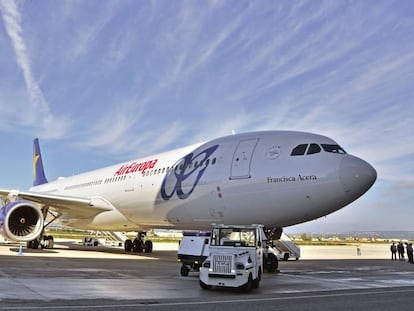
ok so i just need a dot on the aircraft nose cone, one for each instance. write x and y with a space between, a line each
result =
356 176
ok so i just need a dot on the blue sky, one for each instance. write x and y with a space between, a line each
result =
104 81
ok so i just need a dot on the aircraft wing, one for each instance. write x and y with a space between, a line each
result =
75 207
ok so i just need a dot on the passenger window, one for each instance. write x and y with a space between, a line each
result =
333 148
314 148
299 150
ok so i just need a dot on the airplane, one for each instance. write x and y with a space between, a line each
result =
274 178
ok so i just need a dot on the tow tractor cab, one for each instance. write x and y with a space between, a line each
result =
235 258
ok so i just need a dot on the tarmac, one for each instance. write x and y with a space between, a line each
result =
75 277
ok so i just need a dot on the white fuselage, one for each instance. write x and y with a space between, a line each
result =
240 179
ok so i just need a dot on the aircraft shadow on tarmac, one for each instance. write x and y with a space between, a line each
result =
73 246
33 251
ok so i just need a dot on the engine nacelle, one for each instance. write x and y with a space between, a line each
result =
21 221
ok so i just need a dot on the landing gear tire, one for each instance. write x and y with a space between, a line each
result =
184 270
128 245
204 285
137 246
51 241
34 244
148 246
47 242
271 262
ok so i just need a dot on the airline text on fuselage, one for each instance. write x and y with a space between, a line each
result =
134 167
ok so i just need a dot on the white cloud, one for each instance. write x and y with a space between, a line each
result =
38 114
209 48
167 134
219 125
88 33
114 129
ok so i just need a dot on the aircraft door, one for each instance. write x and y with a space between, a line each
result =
130 183
242 158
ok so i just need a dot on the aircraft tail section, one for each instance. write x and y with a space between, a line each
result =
38 171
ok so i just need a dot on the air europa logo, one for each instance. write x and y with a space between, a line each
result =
185 178
135 166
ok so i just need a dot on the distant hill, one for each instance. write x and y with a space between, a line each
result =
390 235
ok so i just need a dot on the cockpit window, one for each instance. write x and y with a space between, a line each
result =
314 148
299 150
333 148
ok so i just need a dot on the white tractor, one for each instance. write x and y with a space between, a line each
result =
237 257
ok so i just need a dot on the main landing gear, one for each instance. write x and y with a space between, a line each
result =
44 241
138 245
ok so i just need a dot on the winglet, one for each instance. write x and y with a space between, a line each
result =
38 171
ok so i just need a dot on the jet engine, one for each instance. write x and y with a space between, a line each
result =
21 221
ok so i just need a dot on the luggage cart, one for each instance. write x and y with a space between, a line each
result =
193 251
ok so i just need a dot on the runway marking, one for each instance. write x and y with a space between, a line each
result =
188 303
355 282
